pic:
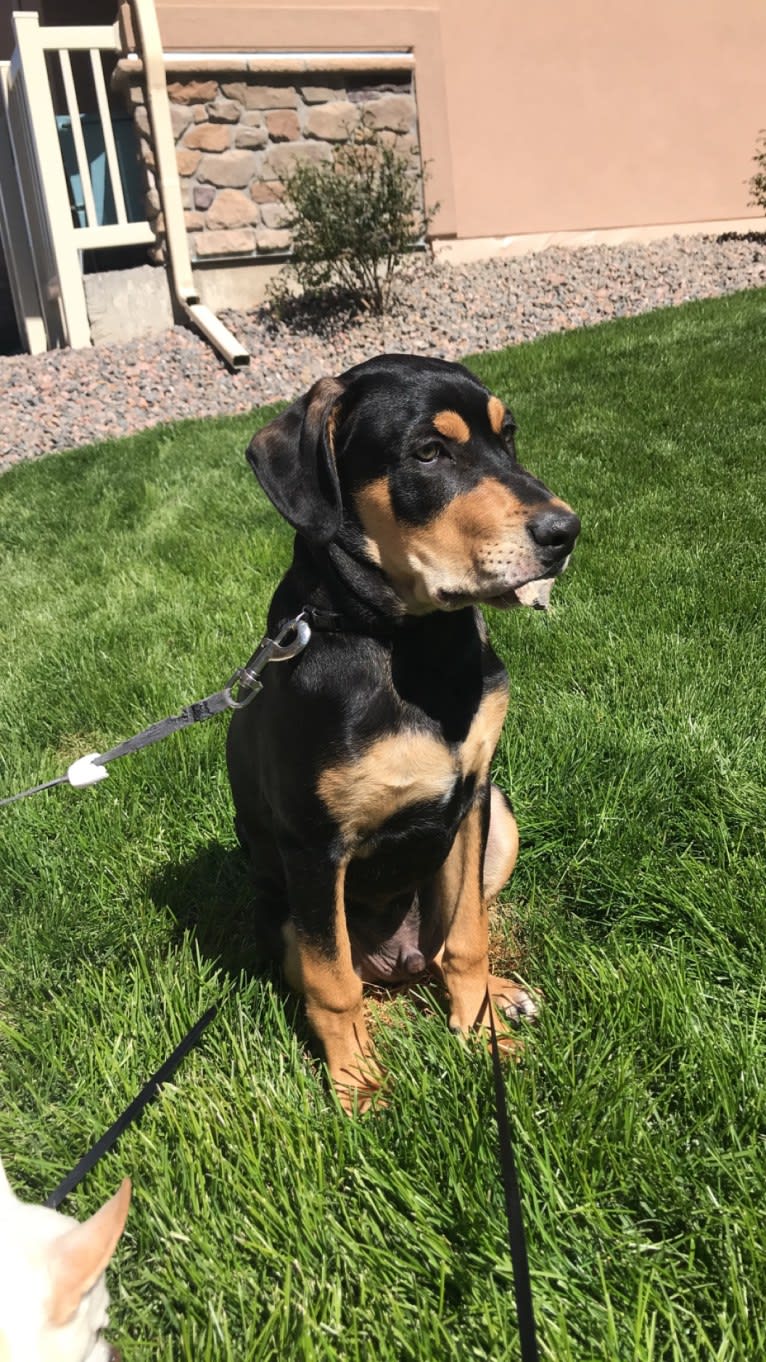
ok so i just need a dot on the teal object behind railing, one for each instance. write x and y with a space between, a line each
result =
127 156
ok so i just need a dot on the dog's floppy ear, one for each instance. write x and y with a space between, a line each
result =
293 458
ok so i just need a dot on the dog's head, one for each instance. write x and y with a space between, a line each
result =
410 464
53 1297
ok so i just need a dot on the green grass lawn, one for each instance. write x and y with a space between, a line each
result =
265 1225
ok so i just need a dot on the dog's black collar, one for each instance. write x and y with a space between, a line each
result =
324 621
348 597
340 622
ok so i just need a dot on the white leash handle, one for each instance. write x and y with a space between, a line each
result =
84 772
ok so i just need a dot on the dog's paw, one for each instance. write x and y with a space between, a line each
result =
358 1086
514 1003
358 1099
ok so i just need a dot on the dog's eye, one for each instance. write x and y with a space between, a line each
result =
427 453
507 434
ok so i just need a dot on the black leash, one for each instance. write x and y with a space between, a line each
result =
91 768
521 1282
35 789
149 1090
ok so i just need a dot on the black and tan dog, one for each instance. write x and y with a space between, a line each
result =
361 774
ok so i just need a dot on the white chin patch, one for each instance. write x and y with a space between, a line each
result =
537 594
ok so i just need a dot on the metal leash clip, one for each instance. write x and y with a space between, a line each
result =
268 650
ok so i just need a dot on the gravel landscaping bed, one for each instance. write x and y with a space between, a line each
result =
68 398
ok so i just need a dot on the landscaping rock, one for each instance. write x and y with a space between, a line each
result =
67 398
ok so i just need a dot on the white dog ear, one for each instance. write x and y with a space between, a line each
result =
77 1259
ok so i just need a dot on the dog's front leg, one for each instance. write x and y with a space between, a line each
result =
318 964
464 959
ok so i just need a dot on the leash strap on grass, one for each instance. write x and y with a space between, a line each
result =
290 640
516 1238
88 770
192 714
130 1113
46 785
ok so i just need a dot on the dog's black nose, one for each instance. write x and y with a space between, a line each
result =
555 529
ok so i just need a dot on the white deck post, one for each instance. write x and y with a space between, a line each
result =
49 168
15 239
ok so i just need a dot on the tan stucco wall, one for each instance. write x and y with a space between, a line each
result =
603 113
538 117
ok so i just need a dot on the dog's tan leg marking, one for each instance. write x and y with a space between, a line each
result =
502 847
464 961
481 739
478 748
462 887
333 995
500 856
468 882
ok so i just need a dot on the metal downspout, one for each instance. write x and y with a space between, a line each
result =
170 190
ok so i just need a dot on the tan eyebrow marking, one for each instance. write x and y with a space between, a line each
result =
451 425
496 413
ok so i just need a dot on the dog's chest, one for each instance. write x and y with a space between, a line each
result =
414 767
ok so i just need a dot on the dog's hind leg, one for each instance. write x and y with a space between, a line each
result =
502 846
318 963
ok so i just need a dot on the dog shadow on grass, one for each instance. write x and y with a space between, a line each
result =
211 896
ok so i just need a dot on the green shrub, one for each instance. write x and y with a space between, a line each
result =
758 182
354 218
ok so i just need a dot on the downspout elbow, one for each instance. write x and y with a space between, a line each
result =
169 187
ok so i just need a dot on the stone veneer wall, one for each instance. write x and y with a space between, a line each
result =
239 131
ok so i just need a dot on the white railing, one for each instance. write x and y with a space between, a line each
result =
43 190
16 236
